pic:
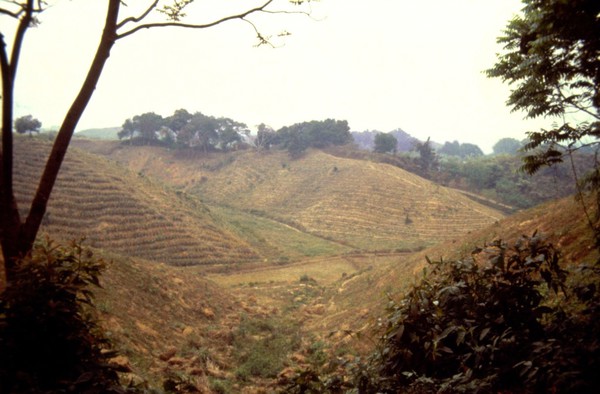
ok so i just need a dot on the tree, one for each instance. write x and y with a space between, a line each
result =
506 146
200 132
450 148
145 128
385 143
127 130
317 134
265 137
427 157
461 150
17 235
552 59
178 120
27 124
230 133
470 150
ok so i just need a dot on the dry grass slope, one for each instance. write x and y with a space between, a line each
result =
124 213
360 204
357 301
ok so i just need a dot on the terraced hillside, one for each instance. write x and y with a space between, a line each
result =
360 204
123 212
358 300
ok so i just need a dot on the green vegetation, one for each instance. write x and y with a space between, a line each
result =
262 346
463 150
27 124
50 340
498 321
184 130
275 240
385 143
551 60
207 133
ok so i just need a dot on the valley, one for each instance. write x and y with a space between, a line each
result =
228 271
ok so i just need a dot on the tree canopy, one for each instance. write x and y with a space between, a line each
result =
184 130
551 59
506 146
385 143
461 150
27 124
427 156
316 134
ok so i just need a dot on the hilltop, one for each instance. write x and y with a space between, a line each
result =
107 133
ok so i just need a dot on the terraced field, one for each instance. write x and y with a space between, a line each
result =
124 213
366 205
360 204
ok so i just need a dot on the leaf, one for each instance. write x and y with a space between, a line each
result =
483 333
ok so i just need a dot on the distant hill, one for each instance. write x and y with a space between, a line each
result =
107 133
356 203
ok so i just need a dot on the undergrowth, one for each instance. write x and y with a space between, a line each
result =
50 340
504 320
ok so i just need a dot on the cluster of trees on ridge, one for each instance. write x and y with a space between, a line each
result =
455 164
208 133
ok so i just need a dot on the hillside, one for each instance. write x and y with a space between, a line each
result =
360 204
107 133
125 213
356 302
260 281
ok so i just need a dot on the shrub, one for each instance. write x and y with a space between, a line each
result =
503 320
49 338
490 323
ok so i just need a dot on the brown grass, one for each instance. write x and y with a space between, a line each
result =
125 213
363 205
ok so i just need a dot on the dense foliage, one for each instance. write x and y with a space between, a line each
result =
385 143
463 150
366 139
314 134
27 124
49 338
184 130
208 133
551 59
507 146
499 321
499 178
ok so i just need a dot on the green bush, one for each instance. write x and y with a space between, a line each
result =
503 320
49 338
491 323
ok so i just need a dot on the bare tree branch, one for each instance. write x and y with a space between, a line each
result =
18 42
196 26
9 13
139 18
262 40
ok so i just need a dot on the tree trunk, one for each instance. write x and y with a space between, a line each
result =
18 238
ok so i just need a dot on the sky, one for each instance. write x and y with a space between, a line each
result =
379 64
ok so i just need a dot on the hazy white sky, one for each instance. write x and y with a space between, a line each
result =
380 64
